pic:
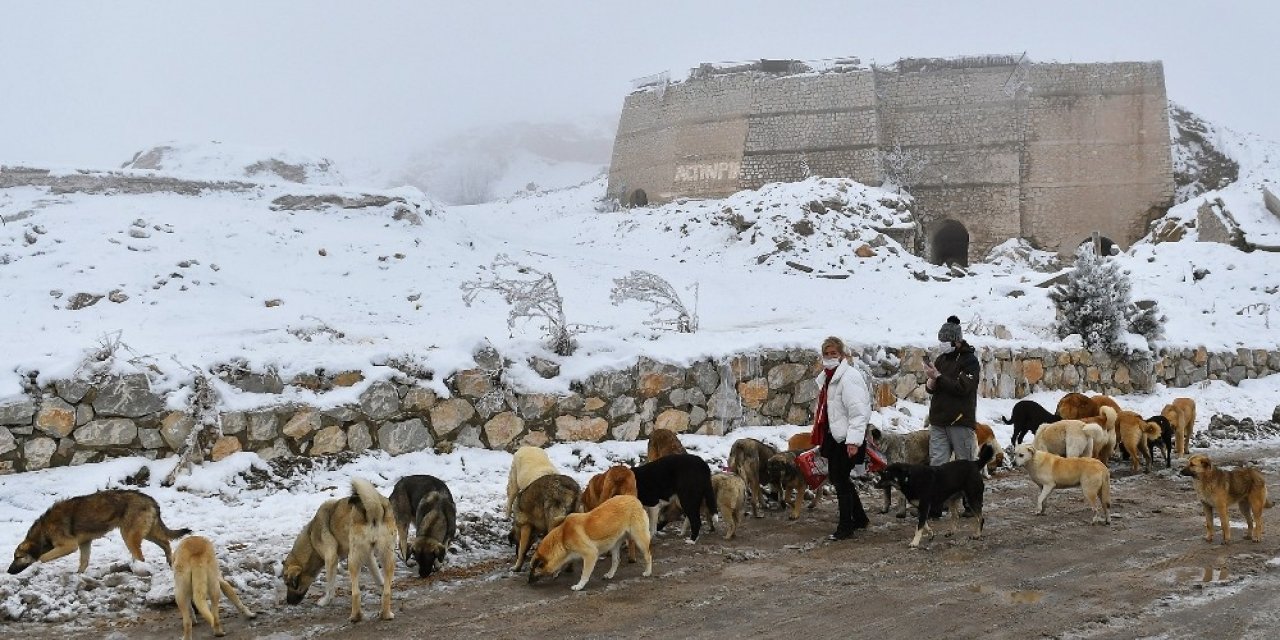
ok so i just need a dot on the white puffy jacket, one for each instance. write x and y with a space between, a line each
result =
848 403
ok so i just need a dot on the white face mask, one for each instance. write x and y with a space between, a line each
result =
830 363
947 347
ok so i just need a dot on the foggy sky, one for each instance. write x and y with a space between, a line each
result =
89 83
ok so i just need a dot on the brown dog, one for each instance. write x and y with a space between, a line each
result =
528 464
782 468
1075 406
802 441
1181 413
618 480
539 508
731 500
1135 433
197 581
749 458
1219 488
986 436
663 442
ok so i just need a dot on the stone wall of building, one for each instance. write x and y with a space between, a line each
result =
75 422
1048 152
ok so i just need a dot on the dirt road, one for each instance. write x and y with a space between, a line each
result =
1150 574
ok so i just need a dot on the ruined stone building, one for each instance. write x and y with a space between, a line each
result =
991 147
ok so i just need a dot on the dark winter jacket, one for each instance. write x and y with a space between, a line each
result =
955 391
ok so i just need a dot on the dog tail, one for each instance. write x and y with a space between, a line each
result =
1104 494
1110 416
986 454
1006 420
367 497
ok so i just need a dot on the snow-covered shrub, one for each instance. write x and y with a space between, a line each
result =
532 295
644 286
1092 303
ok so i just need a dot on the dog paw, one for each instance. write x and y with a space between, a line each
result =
577 587
250 614
356 617
140 568
324 601
689 541
388 616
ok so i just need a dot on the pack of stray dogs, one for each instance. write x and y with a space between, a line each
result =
626 506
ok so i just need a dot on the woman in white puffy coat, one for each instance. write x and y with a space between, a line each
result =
839 430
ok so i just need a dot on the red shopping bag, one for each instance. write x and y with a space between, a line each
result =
813 467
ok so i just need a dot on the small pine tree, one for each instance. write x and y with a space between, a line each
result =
1146 321
1093 302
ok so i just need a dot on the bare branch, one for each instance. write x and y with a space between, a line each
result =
644 286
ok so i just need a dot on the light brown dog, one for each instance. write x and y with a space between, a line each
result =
1069 438
1106 418
749 458
584 536
1074 406
663 442
1050 471
782 467
528 464
1135 432
986 436
197 580
1181 414
1220 488
618 480
360 528
802 441
731 501
1100 401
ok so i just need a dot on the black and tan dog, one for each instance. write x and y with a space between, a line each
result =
198 582
360 528
787 476
426 502
749 458
1164 442
74 523
539 507
1026 418
930 488
1218 489
681 475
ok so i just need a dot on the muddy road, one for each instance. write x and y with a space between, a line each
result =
1149 574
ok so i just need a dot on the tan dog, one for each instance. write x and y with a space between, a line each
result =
74 523
802 441
540 507
528 464
197 580
1135 432
584 536
986 436
1069 438
1220 488
618 480
360 528
1100 401
749 458
731 501
1050 471
1181 414
663 442
1106 418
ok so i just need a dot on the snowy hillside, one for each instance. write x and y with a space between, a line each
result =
218 161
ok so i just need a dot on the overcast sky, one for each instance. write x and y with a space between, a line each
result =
89 83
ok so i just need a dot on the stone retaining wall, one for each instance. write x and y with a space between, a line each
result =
75 422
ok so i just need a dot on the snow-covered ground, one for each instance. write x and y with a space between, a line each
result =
253 514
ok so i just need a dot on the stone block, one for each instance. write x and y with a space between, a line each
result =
449 415
358 437
72 391
784 375
56 418
572 429
419 400
262 426
502 429
380 401
223 447
328 440
302 424
402 437
673 419
127 396
107 433
754 392
17 412
174 429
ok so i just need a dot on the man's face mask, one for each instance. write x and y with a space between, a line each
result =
947 347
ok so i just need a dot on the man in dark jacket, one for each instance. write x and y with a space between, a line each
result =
953 383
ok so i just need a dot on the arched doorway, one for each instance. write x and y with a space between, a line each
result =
638 198
949 244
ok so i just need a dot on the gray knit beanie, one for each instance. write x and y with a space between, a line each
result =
950 332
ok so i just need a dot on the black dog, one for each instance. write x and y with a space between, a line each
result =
1027 417
931 487
1165 442
426 502
683 475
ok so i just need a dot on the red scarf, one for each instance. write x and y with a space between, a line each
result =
820 414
